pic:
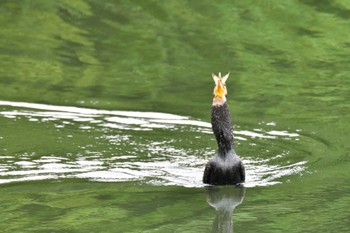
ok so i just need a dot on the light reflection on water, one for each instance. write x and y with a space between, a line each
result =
165 164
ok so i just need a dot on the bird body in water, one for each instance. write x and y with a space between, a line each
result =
225 168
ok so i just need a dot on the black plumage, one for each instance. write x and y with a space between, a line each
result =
225 168
222 128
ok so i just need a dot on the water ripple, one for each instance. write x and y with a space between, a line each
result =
124 157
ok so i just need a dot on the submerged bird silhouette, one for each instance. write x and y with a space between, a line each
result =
225 168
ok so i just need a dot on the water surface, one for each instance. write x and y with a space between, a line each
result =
105 111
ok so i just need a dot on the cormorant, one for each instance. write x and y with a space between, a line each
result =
225 168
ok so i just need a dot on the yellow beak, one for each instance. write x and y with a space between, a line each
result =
219 90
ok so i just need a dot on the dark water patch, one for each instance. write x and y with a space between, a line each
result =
328 6
67 52
7 79
308 32
43 212
73 14
262 50
155 9
283 63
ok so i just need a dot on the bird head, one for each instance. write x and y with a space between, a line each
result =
220 90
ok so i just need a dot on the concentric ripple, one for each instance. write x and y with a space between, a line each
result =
117 146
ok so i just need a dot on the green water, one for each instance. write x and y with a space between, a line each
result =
104 111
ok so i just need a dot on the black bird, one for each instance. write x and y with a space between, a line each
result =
225 168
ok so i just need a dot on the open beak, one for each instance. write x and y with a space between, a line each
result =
219 91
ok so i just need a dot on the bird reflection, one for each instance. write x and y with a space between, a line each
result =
224 199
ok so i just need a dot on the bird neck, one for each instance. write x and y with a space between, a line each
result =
222 128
